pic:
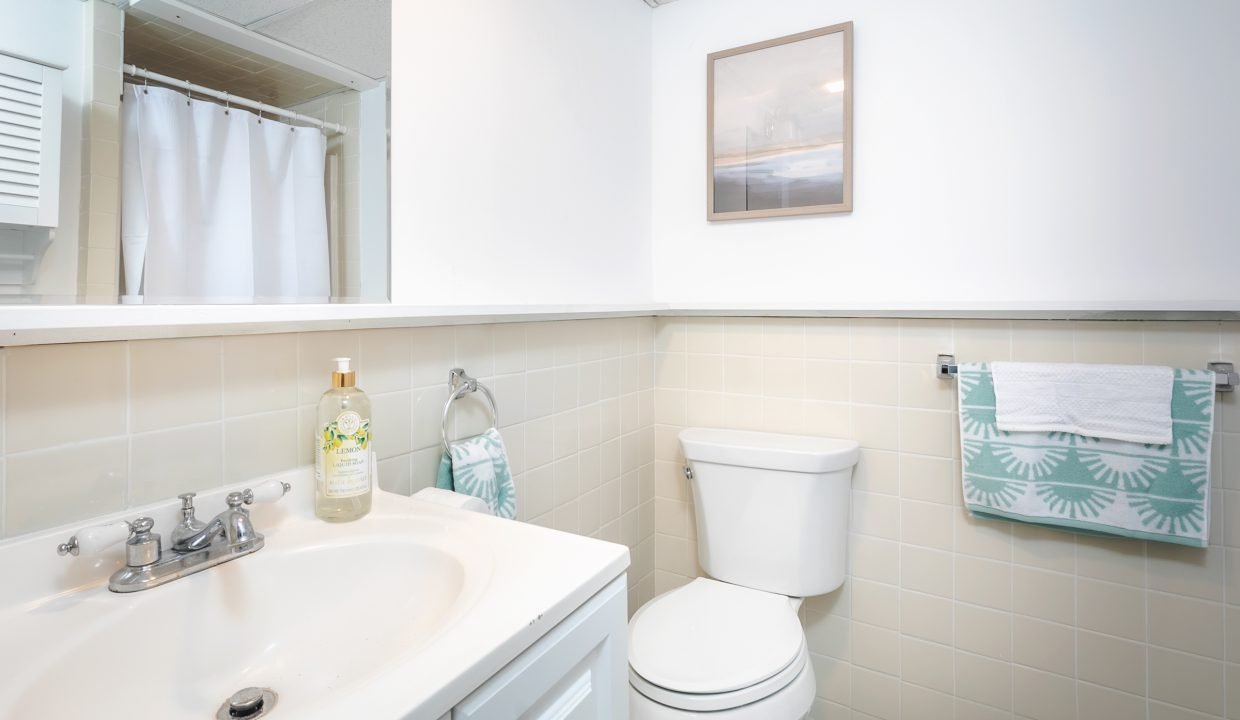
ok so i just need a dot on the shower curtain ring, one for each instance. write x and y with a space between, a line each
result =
226 102
189 93
146 84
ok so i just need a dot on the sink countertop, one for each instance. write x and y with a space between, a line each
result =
434 638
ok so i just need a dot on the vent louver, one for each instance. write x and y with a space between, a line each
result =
29 143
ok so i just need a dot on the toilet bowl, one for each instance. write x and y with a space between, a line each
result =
772 516
710 647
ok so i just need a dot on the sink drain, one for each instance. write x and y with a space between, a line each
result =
248 704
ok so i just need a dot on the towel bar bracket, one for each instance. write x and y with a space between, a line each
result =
1225 376
945 367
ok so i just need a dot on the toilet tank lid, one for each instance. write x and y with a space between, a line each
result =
771 451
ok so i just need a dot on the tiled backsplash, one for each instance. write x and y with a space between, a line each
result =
943 616
94 428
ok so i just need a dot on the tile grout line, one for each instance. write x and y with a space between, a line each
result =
127 492
1221 474
900 515
1011 332
223 411
1145 600
1076 626
954 561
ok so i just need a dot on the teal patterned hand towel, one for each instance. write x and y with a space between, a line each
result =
1155 492
478 466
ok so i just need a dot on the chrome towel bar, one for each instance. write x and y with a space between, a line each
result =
1225 376
459 385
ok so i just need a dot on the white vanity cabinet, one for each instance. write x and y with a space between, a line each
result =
577 671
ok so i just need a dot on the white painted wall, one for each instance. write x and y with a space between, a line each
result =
521 151
53 32
1053 153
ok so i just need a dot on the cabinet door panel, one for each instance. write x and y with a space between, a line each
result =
578 671
30 113
579 694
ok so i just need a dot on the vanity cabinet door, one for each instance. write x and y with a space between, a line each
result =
578 671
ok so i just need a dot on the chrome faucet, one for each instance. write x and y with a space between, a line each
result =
233 525
196 545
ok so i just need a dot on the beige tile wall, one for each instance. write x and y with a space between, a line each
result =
95 428
99 234
943 616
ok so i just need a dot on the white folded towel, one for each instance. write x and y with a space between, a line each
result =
1131 403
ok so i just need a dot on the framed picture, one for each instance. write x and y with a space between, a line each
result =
779 126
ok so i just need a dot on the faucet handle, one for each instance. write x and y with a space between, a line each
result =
189 526
270 491
90 540
189 521
143 547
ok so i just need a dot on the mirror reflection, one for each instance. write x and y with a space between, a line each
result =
197 151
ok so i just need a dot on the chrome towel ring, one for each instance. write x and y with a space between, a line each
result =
460 385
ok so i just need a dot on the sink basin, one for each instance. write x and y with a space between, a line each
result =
307 616
397 615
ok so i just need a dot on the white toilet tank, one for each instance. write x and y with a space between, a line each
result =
772 509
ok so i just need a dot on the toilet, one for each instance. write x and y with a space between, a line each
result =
772 527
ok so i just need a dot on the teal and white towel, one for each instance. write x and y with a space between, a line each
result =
478 466
1155 492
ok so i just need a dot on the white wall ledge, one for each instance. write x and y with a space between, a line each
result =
44 325
96 323
1188 310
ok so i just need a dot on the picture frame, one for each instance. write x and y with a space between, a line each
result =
779 126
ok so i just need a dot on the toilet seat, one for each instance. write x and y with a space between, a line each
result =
710 645
711 702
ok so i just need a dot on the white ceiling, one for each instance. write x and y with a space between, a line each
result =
354 33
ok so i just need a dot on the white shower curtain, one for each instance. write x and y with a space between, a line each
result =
218 207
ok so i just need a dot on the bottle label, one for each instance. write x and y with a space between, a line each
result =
344 456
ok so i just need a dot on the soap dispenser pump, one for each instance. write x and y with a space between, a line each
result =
342 462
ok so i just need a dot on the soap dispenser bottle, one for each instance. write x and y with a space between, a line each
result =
342 462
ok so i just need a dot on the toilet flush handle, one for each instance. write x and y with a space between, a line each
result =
688 473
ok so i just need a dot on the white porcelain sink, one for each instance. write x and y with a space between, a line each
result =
308 615
335 618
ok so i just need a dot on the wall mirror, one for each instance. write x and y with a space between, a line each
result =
194 151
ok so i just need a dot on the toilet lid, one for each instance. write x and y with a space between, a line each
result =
712 637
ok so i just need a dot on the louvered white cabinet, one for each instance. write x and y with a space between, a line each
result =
30 107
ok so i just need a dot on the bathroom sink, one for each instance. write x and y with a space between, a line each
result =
362 619
305 621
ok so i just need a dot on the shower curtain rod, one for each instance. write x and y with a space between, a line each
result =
262 107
